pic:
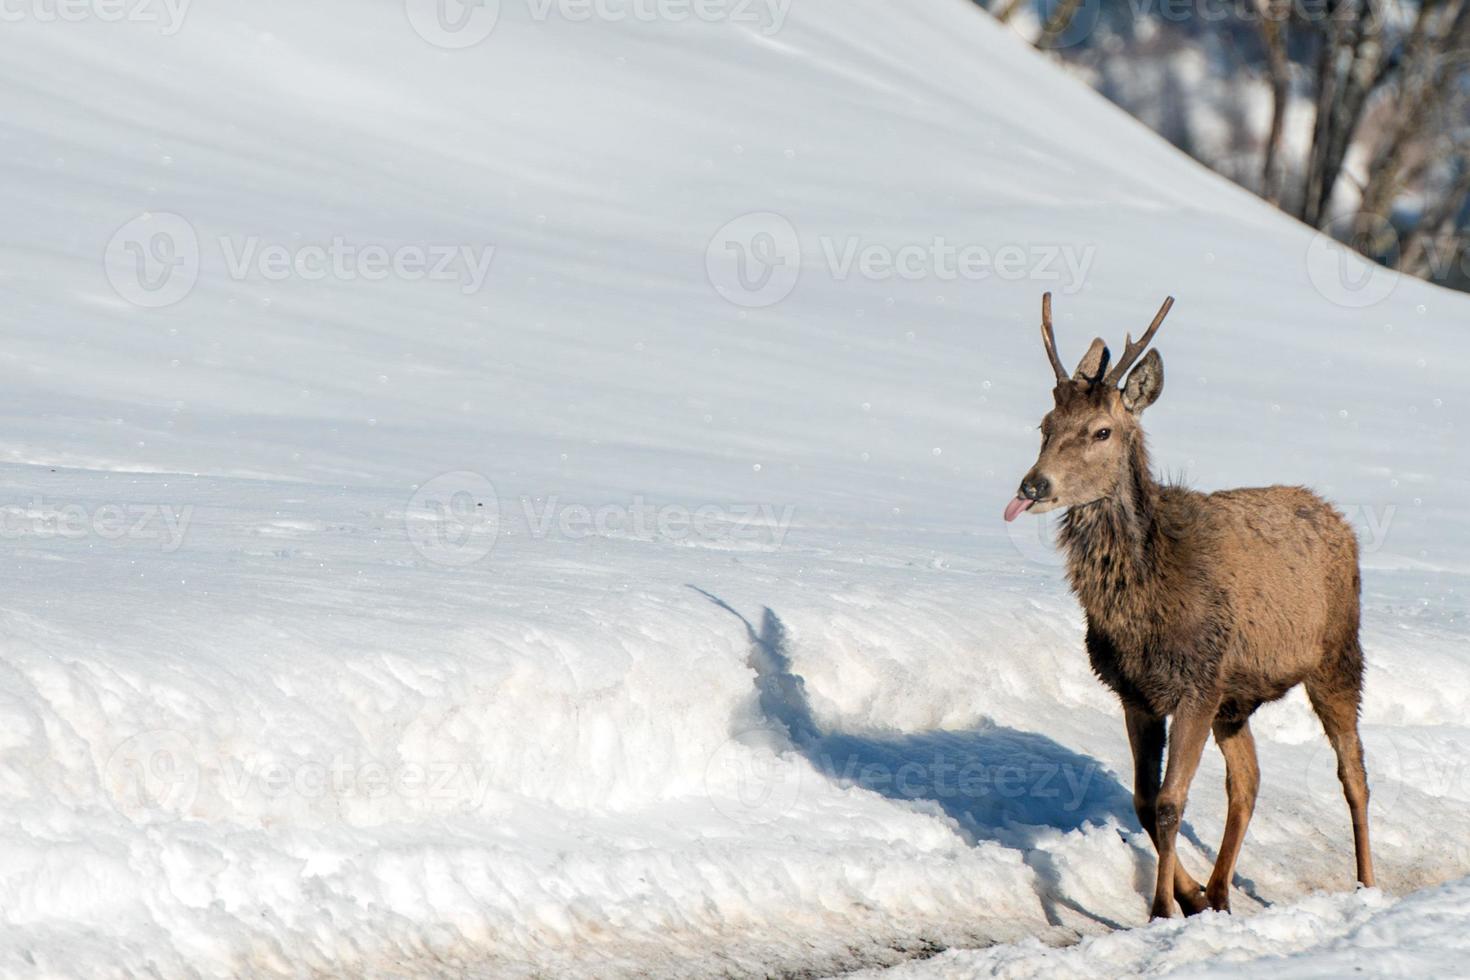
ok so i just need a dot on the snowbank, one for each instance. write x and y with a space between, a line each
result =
1423 935
591 606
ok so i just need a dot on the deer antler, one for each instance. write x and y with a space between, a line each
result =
1132 350
1049 338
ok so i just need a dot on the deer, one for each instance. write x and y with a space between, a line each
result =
1200 607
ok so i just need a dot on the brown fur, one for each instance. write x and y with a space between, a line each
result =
1200 608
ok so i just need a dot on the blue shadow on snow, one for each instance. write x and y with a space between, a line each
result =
997 783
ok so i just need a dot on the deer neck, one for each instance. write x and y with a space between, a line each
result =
1113 545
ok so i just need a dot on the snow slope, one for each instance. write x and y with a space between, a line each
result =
591 608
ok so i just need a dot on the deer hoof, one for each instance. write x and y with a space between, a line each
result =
1219 900
1193 903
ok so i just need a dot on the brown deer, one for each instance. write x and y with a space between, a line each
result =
1200 607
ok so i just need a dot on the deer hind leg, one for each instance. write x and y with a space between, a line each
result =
1146 739
1242 780
1335 692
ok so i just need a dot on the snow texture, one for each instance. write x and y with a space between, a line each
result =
598 610
1426 934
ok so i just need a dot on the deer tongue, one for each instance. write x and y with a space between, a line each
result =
1014 508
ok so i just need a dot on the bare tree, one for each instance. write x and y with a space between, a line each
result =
1380 82
1274 14
1423 85
1348 69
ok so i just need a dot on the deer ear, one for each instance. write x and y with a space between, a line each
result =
1093 363
1145 383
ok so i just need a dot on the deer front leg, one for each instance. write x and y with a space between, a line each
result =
1146 739
1187 735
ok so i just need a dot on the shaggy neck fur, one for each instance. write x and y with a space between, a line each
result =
1114 545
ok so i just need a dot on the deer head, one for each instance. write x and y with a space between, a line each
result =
1087 438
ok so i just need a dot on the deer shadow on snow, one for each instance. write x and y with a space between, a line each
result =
996 783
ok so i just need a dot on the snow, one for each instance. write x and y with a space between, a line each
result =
1423 935
563 614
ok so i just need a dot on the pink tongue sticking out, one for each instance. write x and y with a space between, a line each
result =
1015 507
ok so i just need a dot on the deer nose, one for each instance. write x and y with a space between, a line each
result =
1035 487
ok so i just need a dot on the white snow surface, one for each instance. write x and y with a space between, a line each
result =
360 627
1367 934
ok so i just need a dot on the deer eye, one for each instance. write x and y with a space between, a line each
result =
1101 435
